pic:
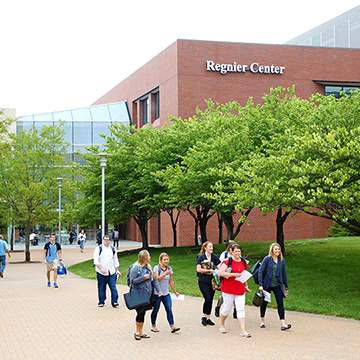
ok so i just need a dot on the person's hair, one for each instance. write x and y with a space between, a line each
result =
162 255
106 236
271 250
235 246
143 255
1 237
229 247
204 245
52 234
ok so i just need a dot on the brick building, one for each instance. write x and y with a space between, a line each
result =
188 72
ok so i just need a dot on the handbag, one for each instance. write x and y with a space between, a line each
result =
135 299
258 298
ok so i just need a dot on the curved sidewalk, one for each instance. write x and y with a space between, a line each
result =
65 323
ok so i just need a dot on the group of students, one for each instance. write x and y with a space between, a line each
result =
272 278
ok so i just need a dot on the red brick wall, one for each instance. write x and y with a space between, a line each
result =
180 73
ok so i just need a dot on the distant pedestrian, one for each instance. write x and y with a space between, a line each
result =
72 236
81 239
98 237
52 259
33 238
107 270
3 250
115 237
206 264
164 272
273 278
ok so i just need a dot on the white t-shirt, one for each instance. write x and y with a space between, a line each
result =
107 259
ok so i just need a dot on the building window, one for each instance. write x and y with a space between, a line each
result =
145 110
157 105
336 90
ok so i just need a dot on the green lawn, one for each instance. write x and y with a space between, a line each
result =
323 274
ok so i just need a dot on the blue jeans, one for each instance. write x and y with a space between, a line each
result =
3 262
111 281
82 243
166 300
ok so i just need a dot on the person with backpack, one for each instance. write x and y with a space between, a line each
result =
115 237
233 290
141 276
107 269
205 267
52 257
224 255
272 277
164 272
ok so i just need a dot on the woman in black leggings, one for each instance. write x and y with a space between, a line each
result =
273 278
205 267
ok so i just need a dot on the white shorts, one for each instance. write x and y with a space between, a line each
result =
53 265
229 300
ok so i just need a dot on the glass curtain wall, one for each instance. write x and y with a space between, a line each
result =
82 126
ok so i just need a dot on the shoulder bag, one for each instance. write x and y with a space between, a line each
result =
136 298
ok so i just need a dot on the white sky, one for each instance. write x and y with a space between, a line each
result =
59 55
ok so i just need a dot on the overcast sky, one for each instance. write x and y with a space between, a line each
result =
59 55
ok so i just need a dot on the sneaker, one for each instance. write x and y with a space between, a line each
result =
209 322
55 285
217 311
203 321
115 304
49 284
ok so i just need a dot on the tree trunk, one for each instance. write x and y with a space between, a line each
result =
27 242
220 224
174 224
141 221
280 220
229 224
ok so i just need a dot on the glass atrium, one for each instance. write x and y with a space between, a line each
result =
83 126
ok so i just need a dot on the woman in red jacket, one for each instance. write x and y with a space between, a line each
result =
233 290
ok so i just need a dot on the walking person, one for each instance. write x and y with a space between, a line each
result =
82 238
233 291
115 237
163 272
224 255
205 267
273 278
3 251
107 270
52 259
142 277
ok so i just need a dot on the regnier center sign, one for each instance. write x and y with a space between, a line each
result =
253 67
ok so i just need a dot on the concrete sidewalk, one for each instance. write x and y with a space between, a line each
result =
65 323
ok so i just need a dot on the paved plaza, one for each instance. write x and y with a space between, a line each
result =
65 323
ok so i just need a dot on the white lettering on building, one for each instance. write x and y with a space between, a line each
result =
237 68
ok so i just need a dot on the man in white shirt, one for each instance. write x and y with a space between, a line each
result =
107 270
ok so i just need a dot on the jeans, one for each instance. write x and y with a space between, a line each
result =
279 300
111 281
3 262
82 243
208 293
116 243
166 300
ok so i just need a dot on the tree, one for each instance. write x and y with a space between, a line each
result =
30 162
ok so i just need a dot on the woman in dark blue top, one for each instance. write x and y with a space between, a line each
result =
205 267
272 277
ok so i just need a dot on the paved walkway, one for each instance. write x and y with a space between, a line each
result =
65 323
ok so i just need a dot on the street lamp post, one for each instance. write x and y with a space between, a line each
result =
59 180
103 160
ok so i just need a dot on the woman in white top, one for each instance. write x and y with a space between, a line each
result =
163 272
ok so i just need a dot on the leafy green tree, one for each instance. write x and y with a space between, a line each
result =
30 162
